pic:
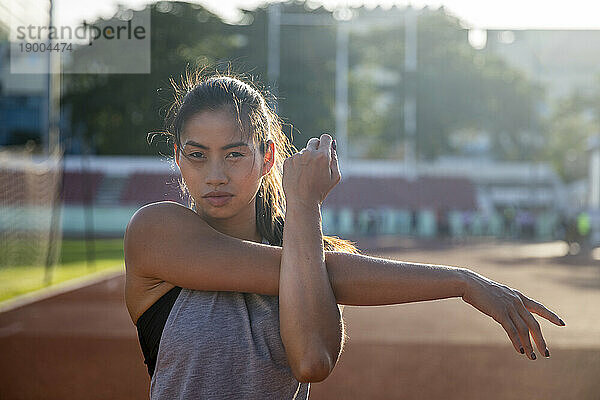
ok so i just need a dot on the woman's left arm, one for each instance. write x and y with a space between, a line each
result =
309 317
310 321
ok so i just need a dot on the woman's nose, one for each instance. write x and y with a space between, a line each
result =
216 174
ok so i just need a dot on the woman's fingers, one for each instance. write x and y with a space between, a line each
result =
322 143
540 309
312 144
325 142
312 172
335 168
513 334
523 330
511 309
536 332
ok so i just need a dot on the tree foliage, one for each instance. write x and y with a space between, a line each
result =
117 111
573 120
457 88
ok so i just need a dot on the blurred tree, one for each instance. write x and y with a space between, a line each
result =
457 88
572 121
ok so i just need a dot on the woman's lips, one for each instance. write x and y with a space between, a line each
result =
218 201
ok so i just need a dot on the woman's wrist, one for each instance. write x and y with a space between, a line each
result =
297 203
467 278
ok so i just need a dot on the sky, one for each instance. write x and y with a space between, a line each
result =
480 14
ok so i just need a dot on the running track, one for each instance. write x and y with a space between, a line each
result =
82 345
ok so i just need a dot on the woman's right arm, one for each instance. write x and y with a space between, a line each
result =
169 242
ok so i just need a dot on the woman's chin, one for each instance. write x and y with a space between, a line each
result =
217 212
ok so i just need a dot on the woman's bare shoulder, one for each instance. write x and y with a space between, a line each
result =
161 210
160 218
157 225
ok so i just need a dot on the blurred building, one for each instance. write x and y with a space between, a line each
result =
454 196
559 59
497 184
22 100
22 96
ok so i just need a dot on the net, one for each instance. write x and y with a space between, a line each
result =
30 187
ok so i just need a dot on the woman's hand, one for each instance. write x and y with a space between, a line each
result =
511 309
309 175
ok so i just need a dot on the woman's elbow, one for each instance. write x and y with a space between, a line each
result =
315 371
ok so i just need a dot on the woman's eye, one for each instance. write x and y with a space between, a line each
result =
233 154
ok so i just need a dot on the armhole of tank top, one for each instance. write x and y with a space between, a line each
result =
158 302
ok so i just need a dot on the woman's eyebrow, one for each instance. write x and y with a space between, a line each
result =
227 146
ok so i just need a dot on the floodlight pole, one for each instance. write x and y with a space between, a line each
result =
410 93
341 91
51 147
275 20
45 115
51 112
273 49
55 78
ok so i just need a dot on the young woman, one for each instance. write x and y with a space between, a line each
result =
240 295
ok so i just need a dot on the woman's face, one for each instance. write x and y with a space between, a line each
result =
216 157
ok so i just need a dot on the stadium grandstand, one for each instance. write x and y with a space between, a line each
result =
100 193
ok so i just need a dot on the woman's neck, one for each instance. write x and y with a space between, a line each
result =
241 226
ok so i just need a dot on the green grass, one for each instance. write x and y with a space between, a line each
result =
18 280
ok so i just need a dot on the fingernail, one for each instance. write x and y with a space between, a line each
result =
547 353
522 351
533 355
562 322
334 145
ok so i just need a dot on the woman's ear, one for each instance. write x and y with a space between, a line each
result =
176 154
269 159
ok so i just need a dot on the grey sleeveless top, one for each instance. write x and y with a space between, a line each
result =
224 345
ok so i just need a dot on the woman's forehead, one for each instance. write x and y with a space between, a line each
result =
213 128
